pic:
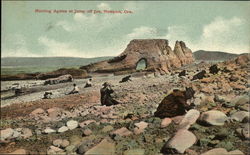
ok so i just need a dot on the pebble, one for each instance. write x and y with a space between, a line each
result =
87 132
72 124
49 130
62 129
165 122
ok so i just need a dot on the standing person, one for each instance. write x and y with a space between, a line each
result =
88 84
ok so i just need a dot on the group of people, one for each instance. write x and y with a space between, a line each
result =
75 90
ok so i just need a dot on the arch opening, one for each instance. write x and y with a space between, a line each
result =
141 64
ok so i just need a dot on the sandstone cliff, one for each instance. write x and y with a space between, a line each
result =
157 54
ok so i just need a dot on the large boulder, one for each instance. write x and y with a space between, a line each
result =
155 52
213 117
60 79
182 140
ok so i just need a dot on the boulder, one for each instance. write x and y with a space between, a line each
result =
87 132
213 117
48 130
199 75
19 151
122 132
239 116
62 129
190 118
103 148
214 69
57 142
155 52
182 140
219 151
6 133
165 122
37 111
134 152
26 133
71 124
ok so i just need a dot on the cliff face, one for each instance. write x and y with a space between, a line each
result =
157 54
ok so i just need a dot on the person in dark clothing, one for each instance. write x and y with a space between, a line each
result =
106 98
88 84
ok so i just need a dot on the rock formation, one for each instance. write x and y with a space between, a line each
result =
157 54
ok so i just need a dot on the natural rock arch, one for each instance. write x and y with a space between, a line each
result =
141 64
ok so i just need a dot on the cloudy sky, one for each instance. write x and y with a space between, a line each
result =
215 26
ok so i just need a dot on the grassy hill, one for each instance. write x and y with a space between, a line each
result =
15 65
213 55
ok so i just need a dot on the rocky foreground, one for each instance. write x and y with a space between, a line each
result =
79 124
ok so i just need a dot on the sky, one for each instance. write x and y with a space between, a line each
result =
202 25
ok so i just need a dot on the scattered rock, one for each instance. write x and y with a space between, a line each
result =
165 122
235 152
57 142
122 132
103 148
182 140
37 111
26 133
71 149
218 151
6 133
48 130
140 127
199 75
239 116
62 129
107 128
64 143
85 123
189 119
72 124
54 150
213 117
214 69
19 151
177 119
87 132
134 152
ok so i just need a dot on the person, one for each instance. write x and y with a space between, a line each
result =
47 95
106 92
88 84
75 90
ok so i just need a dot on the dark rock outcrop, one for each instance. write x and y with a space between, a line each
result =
76 73
125 79
175 104
199 75
60 79
156 52
214 69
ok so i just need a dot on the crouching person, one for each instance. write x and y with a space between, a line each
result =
106 98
